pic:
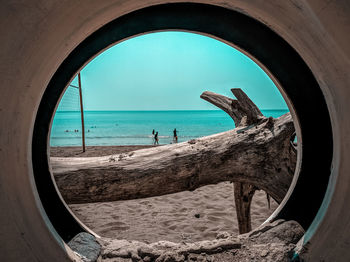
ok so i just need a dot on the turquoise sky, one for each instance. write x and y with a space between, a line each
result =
169 71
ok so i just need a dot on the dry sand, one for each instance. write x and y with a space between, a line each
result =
185 216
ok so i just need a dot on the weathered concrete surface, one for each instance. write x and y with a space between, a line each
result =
36 36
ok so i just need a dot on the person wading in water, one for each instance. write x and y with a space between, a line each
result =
175 136
153 140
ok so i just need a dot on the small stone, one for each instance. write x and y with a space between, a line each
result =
135 258
264 253
233 252
209 259
222 235
86 246
197 215
192 257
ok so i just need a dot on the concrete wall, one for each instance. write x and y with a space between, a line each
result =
37 35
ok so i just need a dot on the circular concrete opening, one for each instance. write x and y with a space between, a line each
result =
265 46
169 69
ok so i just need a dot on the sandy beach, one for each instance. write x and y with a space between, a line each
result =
181 217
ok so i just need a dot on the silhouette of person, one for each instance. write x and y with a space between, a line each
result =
175 136
153 140
156 138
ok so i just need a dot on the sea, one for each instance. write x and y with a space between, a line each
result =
107 128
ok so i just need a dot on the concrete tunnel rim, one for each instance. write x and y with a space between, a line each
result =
194 17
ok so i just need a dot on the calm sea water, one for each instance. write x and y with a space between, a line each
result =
135 127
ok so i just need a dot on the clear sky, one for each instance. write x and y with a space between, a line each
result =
169 71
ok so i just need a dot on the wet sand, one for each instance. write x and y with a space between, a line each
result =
185 216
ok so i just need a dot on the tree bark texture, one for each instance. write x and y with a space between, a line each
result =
243 194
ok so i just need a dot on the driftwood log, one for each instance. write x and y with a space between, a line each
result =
257 152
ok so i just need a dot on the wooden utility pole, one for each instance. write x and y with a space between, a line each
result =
81 112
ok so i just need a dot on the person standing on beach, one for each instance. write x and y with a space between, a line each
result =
175 136
153 139
156 139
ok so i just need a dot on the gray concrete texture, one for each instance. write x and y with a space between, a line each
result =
37 35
